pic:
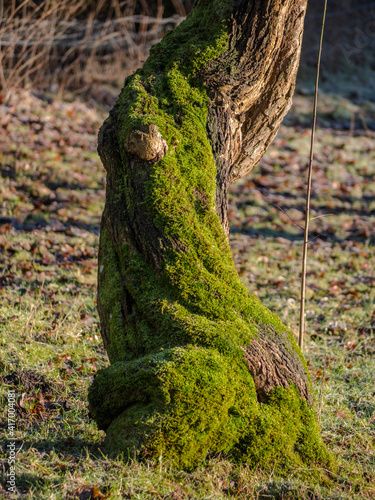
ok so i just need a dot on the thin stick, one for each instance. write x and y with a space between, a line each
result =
308 195
322 390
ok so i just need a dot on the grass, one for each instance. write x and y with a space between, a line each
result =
52 192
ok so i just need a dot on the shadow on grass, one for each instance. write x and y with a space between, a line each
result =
65 445
269 233
265 232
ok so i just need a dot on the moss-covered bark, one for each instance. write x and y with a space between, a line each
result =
198 365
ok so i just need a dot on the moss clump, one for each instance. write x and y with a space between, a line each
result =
285 435
194 400
174 313
183 403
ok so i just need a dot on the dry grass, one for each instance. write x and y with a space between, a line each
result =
88 47
71 46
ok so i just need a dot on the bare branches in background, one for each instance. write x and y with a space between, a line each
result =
88 46
73 47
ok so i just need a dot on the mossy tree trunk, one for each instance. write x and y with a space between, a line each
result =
198 365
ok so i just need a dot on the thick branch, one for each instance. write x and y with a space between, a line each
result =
249 102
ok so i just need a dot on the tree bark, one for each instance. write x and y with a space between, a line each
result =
198 365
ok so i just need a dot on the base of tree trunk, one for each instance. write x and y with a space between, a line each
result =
183 404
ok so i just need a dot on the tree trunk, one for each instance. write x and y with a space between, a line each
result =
198 365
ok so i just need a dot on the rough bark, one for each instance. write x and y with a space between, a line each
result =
198 364
248 105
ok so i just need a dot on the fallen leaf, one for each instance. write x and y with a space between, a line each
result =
87 492
351 345
341 414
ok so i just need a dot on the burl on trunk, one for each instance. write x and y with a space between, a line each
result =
198 365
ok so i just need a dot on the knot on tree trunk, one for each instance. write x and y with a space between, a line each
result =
146 143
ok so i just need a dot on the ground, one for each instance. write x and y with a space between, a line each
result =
52 195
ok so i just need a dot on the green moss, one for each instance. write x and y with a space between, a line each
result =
285 435
179 386
184 403
199 405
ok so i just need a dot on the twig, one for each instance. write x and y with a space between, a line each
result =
290 218
318 236
368 133
322 390
321 216
308 195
